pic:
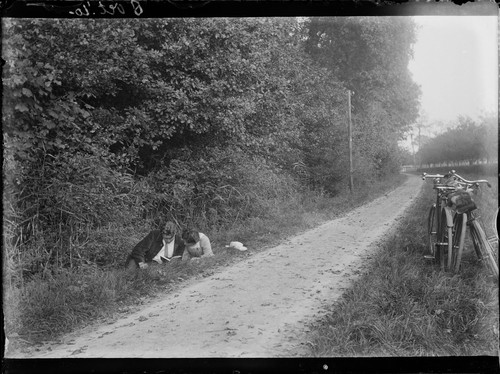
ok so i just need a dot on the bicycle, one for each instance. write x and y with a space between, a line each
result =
438 223
447 229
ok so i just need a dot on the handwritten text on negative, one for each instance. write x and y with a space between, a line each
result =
107 8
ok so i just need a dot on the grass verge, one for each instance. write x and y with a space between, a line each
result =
404 306
49 306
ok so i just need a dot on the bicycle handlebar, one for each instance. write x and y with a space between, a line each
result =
425 175
452 173
462 179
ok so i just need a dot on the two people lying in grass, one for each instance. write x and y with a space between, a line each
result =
161 246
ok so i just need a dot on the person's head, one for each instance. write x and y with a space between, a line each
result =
190 237
168 231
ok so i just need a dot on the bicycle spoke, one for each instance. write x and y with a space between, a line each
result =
432 233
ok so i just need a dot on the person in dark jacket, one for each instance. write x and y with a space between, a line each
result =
159 246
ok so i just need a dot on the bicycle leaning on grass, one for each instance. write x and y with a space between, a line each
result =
449 218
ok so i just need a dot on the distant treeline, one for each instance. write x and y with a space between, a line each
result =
467 143
117 121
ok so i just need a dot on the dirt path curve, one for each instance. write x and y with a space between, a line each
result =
258 307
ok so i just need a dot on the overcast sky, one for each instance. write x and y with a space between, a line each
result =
455 63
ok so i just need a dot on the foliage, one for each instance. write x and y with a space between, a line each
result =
206 121
216 186
370 55
57 212
468 141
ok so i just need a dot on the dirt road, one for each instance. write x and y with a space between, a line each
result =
258 307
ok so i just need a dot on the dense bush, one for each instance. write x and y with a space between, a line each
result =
122 123
217 186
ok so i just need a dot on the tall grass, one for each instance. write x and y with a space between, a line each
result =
404 306
55 303
299 211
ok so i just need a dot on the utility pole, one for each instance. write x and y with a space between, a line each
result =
350 139
413 150
420 144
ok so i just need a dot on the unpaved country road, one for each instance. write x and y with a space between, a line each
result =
256 308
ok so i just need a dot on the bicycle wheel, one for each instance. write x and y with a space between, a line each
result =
440 241
445 238
459 227
495 226
432 231
483 247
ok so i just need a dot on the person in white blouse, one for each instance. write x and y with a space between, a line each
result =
196 245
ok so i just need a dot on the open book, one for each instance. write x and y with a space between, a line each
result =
166 259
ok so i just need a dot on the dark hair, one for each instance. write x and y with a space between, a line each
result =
191 236
168 228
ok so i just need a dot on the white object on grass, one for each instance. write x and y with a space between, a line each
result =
237 245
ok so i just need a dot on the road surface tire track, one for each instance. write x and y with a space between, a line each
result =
259 307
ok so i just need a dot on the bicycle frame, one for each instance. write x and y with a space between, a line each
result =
442 197
440 227
443 245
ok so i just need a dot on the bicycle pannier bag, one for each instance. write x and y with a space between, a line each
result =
461 201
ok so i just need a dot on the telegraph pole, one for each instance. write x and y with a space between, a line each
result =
350 139
413 150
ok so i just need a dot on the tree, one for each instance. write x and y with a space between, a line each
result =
488 133
464 142
121 119
370 56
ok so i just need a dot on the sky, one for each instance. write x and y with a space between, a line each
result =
456 64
